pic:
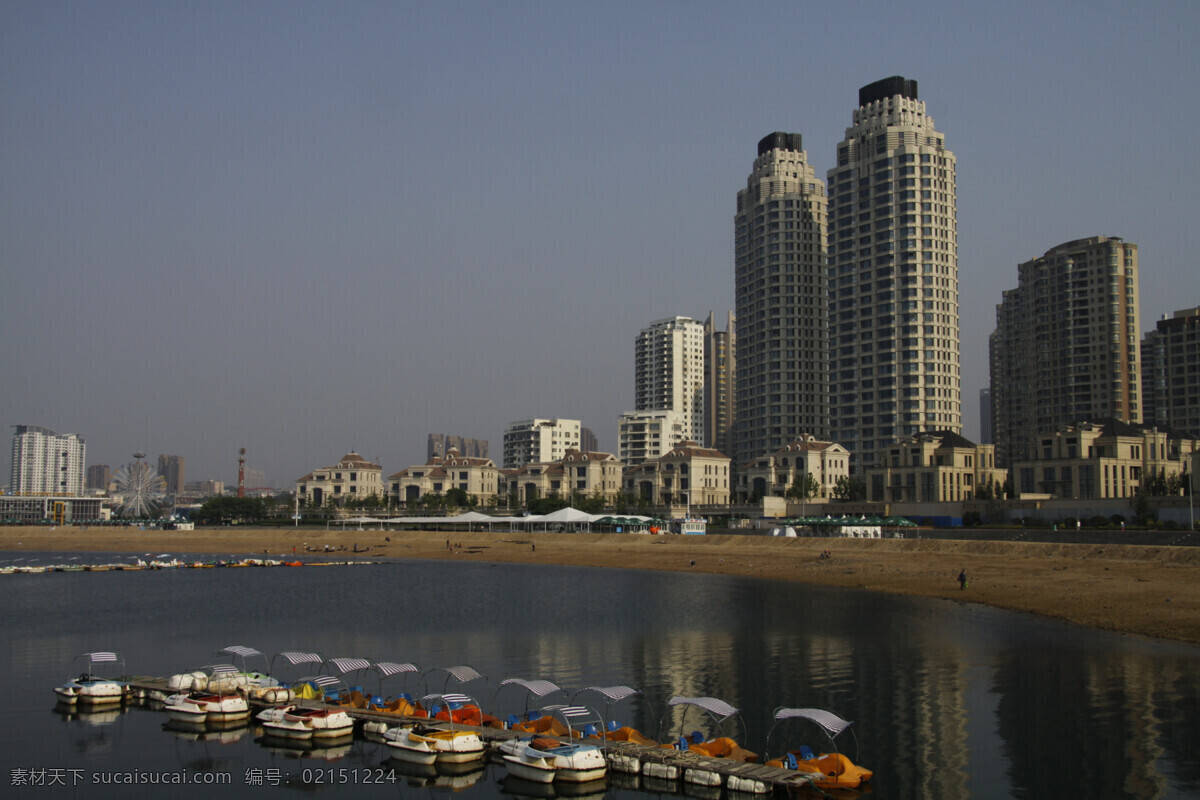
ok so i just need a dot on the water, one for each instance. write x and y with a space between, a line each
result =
949 700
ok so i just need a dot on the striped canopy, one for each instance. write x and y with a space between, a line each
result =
100 658
345 665
614 694
463 673
539 688
718 708
238 650
295 657
390 668
832 723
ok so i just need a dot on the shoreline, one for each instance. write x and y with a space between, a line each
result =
1139 589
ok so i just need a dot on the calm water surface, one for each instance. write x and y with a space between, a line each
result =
949 700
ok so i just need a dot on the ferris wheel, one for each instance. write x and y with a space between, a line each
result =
140 489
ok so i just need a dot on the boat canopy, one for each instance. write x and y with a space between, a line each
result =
389 668
462 673
105 657
294 657
719 712
831 724
344 665
242 652
536 688
718 708
611 695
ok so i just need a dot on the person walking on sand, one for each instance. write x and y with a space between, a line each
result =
962 579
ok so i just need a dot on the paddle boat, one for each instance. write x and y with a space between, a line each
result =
411 746
449 745
295 722
719 714
91 688
542 759
218 701
260 687
828 770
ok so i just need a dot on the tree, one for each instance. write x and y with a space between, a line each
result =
849 490
457 497
804 487
227 510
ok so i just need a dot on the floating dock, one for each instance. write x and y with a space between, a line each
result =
663 764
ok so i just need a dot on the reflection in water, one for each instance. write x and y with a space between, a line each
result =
1100 719
948 700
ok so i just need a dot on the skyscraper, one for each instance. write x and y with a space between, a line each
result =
1065 348
669 371
171 468
893 276
98 477
782 343
45 462
1171 372
720 371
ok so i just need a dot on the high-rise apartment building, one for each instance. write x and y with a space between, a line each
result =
439 444
45 462
539 440
1171 372
669 371
782 345
985 416
720 371
1065 349
98 476
171 468
893 276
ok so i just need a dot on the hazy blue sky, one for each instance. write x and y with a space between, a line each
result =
304 228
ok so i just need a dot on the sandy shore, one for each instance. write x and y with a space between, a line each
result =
1154 591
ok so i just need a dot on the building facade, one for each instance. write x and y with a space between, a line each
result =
351 478
440 444
98 477
478 477
782 344
687 474
576 475
1171 372
720 372
893 276
669 371
171 468
45 462
1104 459
645 435
1065 347
774 474
935 467
539 440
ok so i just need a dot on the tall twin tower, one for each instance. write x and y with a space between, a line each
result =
847 300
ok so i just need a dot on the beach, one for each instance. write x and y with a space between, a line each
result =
1148 590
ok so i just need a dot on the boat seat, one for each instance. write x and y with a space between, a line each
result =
806 752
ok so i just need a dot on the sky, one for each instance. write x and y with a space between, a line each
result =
307 228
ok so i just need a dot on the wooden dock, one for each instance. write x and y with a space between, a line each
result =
663 769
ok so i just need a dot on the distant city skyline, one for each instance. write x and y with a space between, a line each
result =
311 230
